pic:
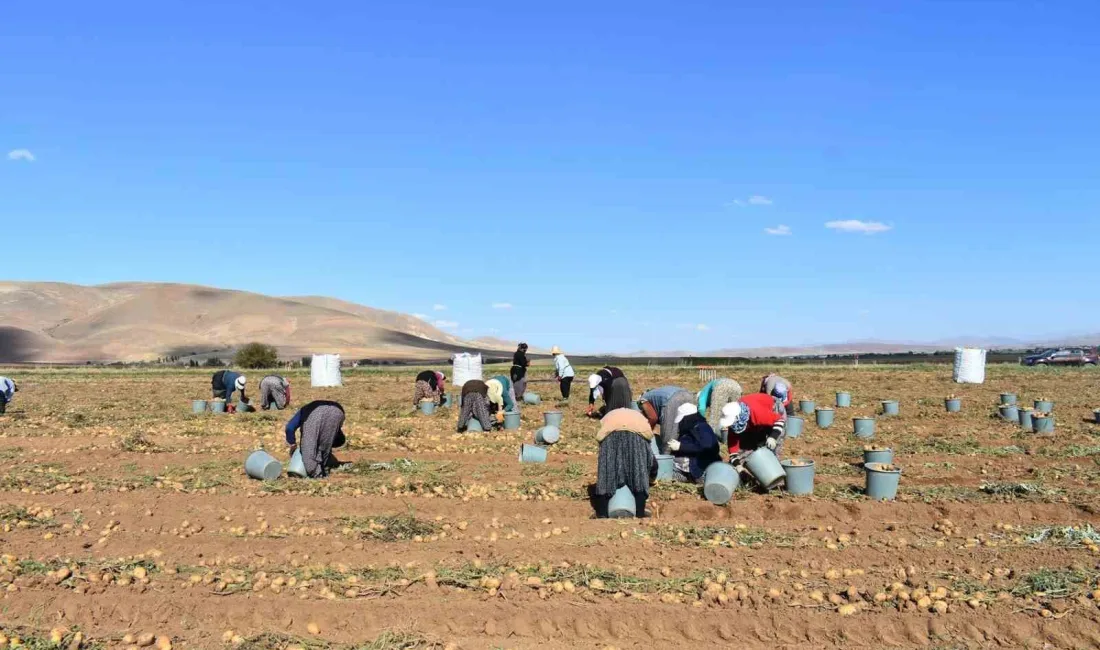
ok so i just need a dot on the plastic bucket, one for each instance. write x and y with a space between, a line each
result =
552 418
884 456
765 468
794 426
531 398
843 400
800 475
296 467
1025 419
474 424
532 454
653 445
953 405
1008 398
806 406
719 482
863 427
890 407
1010 412
427 406
882 483
1044 405
511 420
1042 424
217 406
198 406
622 504
825 417
262 466
665 466
548 435
447 400
634 406
244 407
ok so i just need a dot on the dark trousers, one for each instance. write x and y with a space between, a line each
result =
566 384
3 404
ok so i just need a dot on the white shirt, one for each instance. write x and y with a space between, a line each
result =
561 367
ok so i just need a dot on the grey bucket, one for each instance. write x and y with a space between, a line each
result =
1043 423
447 400
198 406
622 504
531 398
653 445
794 426
1044 405
863 427
882 483
474 424
244 407
806 406
953 405
552 418
427 406
296 467
1025 419
548 435
1008 398
890 407
885 456
800 478
843 400
765 468
824 417
719 482
511 420
665 466
532 454
1010 412
217 406
262 466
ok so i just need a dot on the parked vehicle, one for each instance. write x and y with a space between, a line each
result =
1063 357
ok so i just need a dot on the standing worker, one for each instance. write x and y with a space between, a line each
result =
8 389
780 389
563 372
715 395
322 425
609 383
274 393
475 405
519 370
660 405
625 459
225 382
756 421
429 385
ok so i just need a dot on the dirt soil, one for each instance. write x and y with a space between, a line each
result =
128 520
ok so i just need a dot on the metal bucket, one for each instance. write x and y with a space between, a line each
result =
765 468
548 435
719 482
1010 412
884 456
532 454
890 407
622 504
800 475
863 427
474 424
806 406
665 466
511 420
262 466
843 400
1025 419
1044 405
427 406
552 418
882 483
198 406
296 467
953 405
1042 424
531 398
1008 398
217 406
794 426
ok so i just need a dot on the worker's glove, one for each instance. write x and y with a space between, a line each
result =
500 416
674 445
771 443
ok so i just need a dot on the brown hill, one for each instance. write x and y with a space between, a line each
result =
56 322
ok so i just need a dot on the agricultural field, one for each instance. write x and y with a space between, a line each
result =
126 521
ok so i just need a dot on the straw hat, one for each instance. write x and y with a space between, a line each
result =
555 350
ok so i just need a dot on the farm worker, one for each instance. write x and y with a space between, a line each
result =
714 396
225 382
429 385
625 458
756 421
475 404
600 385
780 388
502 397
8 389
563 372
659 406
519 370
696 445
274 393
322 426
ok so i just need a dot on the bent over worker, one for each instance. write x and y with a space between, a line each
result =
322 426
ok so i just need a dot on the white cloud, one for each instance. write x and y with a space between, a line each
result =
702 327
421 316
757 199
445 324
439 307
502 305
21 154
778 230
855 225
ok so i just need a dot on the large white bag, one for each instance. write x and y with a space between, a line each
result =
324 371
969 365
466 367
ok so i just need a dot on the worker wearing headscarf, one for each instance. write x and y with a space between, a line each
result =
659 406
779 388
502 397
429 385
755 421
610 384
625 459
714 396
695 447
8 389
475 405
563 372
518 373
274 393
225 382
322 426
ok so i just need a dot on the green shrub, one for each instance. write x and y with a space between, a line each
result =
256 355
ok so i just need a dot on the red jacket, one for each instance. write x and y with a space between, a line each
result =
764 420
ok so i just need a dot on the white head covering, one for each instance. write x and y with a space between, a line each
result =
730 414
593 381
239 384
555 350
684 411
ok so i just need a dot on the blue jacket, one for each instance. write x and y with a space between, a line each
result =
509 405
7 389
658 397
229 380
698 443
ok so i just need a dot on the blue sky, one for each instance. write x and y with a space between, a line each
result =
623 175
